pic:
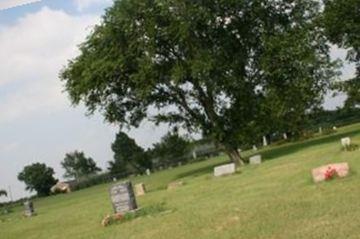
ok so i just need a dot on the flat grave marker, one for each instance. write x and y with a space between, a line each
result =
225 169
319 174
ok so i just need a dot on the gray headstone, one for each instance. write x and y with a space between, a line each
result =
256 159
285 136
123 197
148 172
255 148
29 209
225 169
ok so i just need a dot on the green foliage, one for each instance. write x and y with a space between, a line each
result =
342 23
77 165
128 156
171 150
204 65
38 177
3 193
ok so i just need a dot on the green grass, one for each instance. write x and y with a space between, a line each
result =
274 200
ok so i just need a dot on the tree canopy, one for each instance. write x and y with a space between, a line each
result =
77 165
128 156
342 24
3 193
224 67
170 150
38 177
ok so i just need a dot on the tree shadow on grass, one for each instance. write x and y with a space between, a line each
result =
269 154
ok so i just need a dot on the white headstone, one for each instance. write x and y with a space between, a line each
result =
265 143
254 147
285 136
148 172
225 169
320 130
334 128
346 142
194 155
256 159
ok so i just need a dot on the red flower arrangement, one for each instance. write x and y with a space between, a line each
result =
330 173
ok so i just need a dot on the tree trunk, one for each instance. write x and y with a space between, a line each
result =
235 156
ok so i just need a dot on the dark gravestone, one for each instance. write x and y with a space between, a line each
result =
123 197
29 209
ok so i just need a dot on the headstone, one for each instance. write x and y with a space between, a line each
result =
140 189
320 130
334 128
285 136
194 154
265 143
174 185
346 142
123 198
29 209
255 148
318 174
114 179
225 169
256 159
148 172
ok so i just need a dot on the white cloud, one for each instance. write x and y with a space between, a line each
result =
84 4
32 53
6 4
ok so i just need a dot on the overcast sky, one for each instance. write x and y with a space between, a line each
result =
37 123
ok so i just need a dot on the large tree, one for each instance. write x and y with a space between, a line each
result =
77 165
204 65
342 23
128 156
38 177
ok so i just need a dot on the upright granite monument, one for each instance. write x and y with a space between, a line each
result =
29 209
123 197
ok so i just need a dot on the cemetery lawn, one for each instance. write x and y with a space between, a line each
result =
274 200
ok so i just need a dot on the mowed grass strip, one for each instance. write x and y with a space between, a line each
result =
274 200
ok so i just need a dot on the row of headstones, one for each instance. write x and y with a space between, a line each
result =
265 141
123 197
